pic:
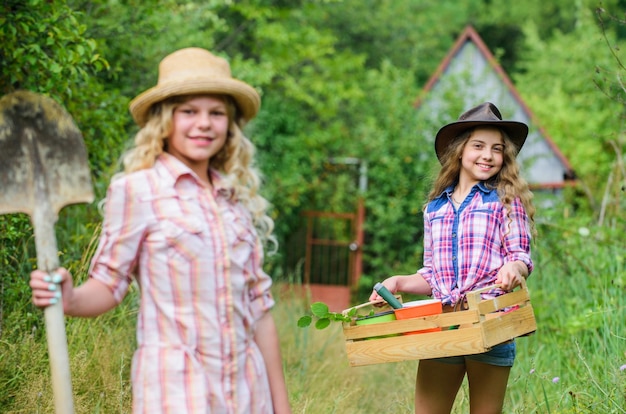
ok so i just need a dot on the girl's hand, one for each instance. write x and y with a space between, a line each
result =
49 288
510 275
414 284
390 283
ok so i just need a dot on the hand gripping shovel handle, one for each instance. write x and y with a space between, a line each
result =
47 260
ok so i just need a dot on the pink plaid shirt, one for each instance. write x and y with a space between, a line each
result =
197 260
464 249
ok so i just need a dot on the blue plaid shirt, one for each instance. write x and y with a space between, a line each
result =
465 248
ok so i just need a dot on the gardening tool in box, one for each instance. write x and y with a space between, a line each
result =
43 167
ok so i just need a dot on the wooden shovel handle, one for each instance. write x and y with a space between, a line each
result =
59 358
362 305
47 260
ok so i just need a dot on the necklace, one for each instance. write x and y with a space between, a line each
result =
454 200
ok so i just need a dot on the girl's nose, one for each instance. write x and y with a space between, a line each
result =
204 120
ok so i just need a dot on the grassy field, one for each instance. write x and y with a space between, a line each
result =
574 363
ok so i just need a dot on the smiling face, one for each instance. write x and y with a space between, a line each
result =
199 131
482 156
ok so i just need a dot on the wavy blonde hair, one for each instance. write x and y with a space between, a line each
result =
508 181
235 160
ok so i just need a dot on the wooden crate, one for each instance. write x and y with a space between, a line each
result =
475 330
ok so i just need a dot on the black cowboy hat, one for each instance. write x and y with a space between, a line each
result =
484 114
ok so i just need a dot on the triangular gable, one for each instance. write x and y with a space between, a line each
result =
482 79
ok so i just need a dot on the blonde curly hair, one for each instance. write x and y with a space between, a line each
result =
235 160
508 181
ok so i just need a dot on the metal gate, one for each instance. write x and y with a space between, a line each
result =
333 257
333 247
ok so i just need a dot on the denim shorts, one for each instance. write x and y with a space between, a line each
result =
502 355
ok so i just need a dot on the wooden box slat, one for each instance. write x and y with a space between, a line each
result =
504 301
508 326
418 346
443 320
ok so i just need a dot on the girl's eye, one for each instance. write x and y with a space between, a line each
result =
498 149
218 113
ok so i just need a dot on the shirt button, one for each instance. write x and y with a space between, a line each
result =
453 235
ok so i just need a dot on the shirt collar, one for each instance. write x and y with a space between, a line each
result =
480 186
172 169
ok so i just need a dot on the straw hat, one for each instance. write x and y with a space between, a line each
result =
195 71
485 114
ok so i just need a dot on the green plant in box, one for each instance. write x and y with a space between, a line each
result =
324 316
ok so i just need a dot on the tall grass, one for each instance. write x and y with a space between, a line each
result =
100 352
574 363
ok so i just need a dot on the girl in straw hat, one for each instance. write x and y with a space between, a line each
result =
478 223
186 222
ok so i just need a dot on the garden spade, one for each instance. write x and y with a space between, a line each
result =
43 167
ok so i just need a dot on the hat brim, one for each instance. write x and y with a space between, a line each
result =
517 132
246 97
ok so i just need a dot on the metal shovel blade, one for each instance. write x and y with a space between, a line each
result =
40 146
43 167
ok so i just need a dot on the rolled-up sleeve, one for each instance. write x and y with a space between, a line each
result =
516 235
427 266
260 296
122 232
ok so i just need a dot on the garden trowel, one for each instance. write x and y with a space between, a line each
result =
43 167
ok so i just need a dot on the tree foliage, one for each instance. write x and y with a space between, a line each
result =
338 79
566 99
45 40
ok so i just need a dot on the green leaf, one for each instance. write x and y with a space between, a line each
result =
304 321
322 323
338 317
55 68
319 309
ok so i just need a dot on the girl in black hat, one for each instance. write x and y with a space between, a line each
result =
478 222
